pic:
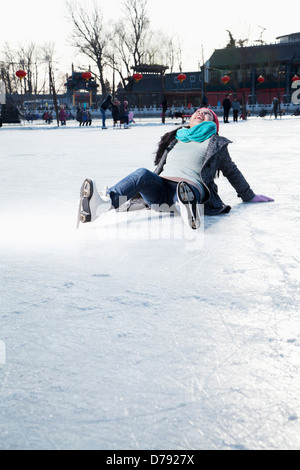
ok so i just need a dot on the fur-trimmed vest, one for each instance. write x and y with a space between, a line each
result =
217 159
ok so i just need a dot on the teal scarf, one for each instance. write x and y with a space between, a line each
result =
199 133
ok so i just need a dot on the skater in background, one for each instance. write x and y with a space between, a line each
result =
236 107
105 105
124 113
120 113
79 116
86 118
164 110
48 117
62 116
115 111
226 108
275 103
187 162
131 118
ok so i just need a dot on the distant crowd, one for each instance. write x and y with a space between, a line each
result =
121 114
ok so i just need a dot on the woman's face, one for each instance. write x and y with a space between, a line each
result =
202 114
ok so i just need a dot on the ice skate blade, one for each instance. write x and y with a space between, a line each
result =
195 224
186 195
86 189
85 217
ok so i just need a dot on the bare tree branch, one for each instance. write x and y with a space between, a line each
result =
90 34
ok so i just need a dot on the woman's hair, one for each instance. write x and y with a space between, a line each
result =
164 143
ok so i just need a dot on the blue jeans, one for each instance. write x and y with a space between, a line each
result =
103 112
153 189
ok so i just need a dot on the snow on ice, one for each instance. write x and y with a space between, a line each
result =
129 333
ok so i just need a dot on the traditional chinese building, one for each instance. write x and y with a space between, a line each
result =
256 73
150 85
81 89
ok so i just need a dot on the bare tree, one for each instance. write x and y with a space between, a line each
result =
137 27
172 53
90 34
26 59
120 55
8 70
130 38
48 57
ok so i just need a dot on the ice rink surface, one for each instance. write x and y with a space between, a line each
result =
130 334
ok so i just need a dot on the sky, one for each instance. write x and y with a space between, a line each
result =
201 26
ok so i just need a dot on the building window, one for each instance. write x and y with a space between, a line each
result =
192 78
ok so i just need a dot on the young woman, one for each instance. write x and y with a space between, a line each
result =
187 162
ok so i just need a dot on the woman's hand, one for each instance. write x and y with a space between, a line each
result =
261 198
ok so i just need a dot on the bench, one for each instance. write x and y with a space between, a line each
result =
185 116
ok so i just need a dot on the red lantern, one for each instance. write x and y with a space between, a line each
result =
260 79
295 78
181 77
137 77
225 79
86 75
21 74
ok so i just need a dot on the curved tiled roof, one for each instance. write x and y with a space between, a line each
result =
265 54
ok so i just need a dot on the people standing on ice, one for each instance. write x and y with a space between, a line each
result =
124 113
226 108
88 118
62 116
131 118
105 105
187 162
115 111
124 108
120 113
79 116
275 103
164 106
236 107
46 117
